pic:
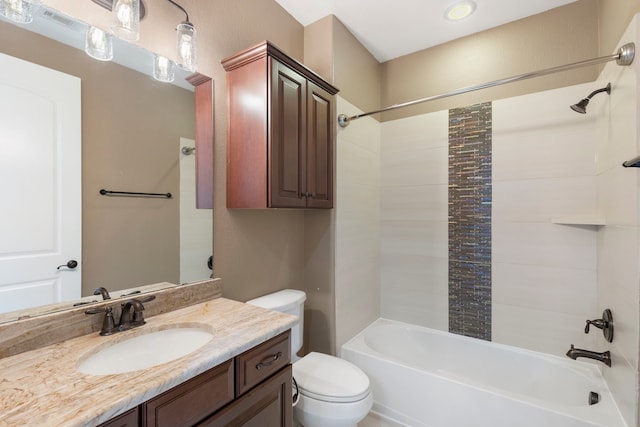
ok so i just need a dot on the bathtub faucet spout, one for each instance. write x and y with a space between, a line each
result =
604 357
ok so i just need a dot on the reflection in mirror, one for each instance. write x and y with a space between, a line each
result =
133 129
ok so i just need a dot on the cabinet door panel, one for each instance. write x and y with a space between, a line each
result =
320 148
191 401
287 141
267 405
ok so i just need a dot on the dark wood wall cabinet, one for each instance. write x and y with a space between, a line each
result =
253 389
280 132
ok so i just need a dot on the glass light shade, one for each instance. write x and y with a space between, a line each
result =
163 69
126 19
99 44
187 53
20 11
460 10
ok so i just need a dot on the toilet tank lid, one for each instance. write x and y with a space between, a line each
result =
280 301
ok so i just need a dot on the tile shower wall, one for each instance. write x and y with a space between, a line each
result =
414 220
617 242
470 221
357 225
543 276
544 272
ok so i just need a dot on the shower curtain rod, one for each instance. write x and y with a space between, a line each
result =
624 56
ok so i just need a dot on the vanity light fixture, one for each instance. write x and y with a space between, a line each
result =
19 11
460 10
186 42
163 69
126 19
99 44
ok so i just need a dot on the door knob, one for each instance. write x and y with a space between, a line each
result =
70 265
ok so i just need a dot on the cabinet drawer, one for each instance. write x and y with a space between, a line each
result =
191 401
259 363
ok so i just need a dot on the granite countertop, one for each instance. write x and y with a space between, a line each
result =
42 387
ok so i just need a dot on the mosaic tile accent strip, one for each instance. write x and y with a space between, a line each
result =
470 221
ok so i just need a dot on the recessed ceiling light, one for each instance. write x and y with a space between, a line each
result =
460 10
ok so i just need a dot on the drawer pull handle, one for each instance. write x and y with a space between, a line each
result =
269 360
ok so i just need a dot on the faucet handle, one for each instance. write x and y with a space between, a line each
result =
108 324
147 298
606 324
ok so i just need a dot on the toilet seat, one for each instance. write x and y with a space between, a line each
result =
330 379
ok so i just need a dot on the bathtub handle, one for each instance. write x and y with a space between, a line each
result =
269 360
606 324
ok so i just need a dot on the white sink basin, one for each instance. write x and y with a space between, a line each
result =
144 351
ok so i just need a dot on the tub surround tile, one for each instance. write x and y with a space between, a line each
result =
618 256
544 244
415 203
618 196
568 290
544 199
43 388
470 192
417 132
425 238
424 166
357 227
540 330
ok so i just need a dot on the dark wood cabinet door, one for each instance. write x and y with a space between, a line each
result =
320 112
267 405
192 401
287 137
280 132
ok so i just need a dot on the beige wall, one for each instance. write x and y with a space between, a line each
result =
131 127
335 53
560 36
613 19
581 30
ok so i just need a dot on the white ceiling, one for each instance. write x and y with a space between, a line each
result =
392 28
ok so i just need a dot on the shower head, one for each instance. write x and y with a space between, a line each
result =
581 107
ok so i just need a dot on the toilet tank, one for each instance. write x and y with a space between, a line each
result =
289 301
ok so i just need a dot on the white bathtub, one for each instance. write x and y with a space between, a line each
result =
428 378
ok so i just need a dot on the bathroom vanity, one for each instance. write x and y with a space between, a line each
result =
242 374
254 386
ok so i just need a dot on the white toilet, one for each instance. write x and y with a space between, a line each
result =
332 391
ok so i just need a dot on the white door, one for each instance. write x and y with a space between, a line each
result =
40 185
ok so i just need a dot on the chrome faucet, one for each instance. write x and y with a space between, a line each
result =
604 357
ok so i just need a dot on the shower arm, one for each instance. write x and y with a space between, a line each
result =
624 56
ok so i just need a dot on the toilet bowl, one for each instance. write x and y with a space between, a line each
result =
331 392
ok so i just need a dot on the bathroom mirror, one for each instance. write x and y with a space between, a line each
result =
133 132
